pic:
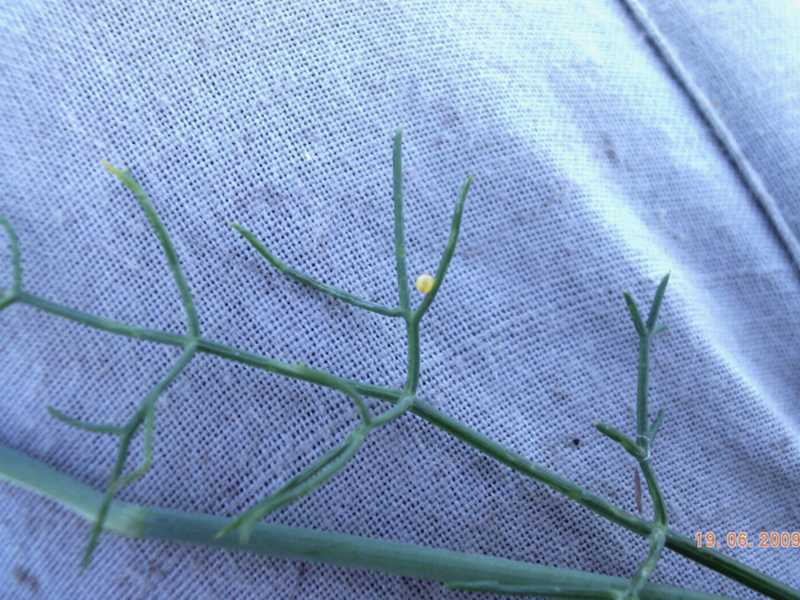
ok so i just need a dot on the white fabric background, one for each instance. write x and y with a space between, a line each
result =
594 173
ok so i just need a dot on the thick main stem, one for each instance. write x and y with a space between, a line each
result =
729 567
344 550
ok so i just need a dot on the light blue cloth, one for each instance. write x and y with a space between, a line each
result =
600 134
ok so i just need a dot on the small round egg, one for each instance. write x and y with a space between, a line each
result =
425 283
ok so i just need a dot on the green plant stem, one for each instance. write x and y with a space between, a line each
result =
628 444
716 561
85 425
313 283
657 535
306 482
447 255
343 550
145 415
413 318
658 531
16 262
413 360
399 227
6 300
126 179
641 393
645 435
412 328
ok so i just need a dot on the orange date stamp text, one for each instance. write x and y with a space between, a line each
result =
742 539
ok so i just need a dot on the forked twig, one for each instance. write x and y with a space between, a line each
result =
145 414
640 449
321 471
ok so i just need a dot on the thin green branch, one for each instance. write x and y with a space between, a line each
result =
294 543
354 441
642 419
630 446
244 523
634 312
7 300
313 283
656 425
103 324
449 250
208 347
405 404
413 356
399 227
303 371
412 327
646 332
656 305
124 176
85 425
657 535
319 472
412 323
97 528
317 475
730 567
146 415
16 261
641 390
148 428
658 532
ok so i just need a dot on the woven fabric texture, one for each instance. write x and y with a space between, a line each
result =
594 173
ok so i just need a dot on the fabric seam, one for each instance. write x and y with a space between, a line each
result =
748 175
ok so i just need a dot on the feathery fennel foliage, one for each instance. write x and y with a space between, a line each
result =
244 532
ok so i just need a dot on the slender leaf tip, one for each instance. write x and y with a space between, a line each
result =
112 169
652 317
84 425
465 190
634 312
655 426
246 234
86 561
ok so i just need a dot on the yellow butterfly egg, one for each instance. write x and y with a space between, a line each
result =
425 283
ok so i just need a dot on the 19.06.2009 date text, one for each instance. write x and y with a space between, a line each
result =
741 539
